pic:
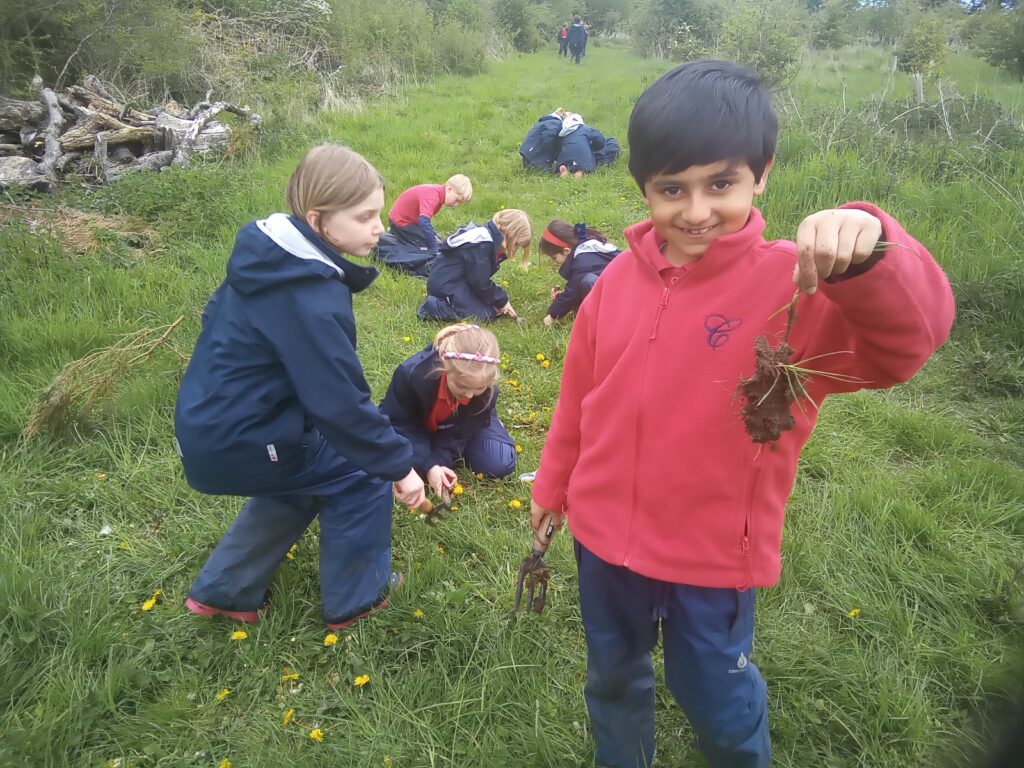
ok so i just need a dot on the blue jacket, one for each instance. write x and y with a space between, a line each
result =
578 35
578 147
540 146
468 260
410 399
580 270
276 360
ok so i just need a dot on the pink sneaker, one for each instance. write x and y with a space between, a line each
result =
397 580
249 617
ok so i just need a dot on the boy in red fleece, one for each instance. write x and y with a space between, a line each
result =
410 216
675 512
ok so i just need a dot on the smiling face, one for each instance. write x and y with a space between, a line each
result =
353 230
696 206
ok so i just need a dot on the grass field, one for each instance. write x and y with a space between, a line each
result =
891 640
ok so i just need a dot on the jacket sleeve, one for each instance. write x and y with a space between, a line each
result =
478 276
877 325
318 356
562 447
402 405
568 300
430 234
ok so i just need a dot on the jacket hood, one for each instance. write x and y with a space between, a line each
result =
644 241
282 249
590 255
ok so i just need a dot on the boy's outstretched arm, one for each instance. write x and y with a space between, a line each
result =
873 315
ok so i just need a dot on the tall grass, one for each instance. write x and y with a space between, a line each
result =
895 623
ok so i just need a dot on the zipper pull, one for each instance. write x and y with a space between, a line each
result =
661 308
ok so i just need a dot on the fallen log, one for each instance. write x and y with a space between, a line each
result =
53 129
14 113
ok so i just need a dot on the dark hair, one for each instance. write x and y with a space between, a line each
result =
570 234
576 19
699 113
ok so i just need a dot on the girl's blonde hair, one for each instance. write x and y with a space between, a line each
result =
330 177
466 339
462 187
515 226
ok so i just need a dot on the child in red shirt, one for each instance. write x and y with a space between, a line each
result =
410 216
676 513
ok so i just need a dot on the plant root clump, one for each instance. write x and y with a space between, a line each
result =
767 394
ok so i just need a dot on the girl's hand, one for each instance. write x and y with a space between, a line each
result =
442 480
555 292
549 320
507 310
828 242
409 490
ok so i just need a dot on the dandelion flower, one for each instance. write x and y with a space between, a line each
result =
407 338
458 490
531 415
387 761
225 763
317 735
224 693
330 639
290 554
504 366
148 605
239 634
545 364
289 676
540 357
417 566
288 715
101 475
854 613
504 283
479 475
519 448
440 549
361 680
515 504
418 614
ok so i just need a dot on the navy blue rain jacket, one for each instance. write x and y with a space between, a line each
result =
578 36
410 399
275 362
577 148
540 146
581 270
468 260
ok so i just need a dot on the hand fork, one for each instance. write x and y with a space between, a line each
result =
534 572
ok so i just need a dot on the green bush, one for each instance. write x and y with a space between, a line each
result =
671 28
998 37
759 35
924 47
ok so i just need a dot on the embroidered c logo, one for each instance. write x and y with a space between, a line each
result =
719 327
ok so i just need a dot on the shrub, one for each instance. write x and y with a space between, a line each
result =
669 28
924 47
758 35
998 37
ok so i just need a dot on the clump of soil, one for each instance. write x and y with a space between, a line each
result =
767 394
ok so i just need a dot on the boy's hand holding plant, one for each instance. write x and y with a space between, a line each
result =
442 480
829 242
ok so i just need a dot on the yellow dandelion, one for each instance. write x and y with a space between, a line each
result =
290 554
387 761
479 475
148 605
123 545
223 694
458 490
540 357
512 382
101 475
417 566
317 735
531 415
546 364
854 613
361 680
519 448
289 677
455 507
225 763
330 639
239 634
288 715
504 283
418 614
407 338
515 504
440 549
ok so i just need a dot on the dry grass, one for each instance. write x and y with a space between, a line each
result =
78 232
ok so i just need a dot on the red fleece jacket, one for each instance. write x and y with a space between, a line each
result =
647 451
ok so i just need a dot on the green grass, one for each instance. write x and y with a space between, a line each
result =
907 507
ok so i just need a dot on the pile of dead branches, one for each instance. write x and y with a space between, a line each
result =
85 131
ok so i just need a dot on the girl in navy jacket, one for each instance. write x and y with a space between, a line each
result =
581 253
444 400
274 404
459 285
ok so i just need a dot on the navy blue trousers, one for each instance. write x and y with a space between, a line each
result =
461 304
707 634
491 451
355 540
